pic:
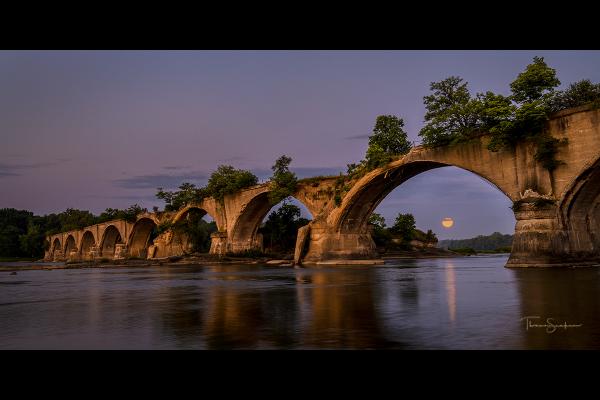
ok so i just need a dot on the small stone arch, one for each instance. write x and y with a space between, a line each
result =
244 232
141 236
108 244
70 245
56 249
88 243
179 241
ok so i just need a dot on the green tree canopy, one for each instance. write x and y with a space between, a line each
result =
577 94
537 81
227 180
281 228
451 113
404 226
389 134
283 181
377 220
188 193
128 214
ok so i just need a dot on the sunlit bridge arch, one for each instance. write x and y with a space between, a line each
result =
141 237
56 247
190 230
244 232
366 195
109 241
87 243
70 245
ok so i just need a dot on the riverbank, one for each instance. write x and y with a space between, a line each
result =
201 259
426 252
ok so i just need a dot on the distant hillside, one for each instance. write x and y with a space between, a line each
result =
481 242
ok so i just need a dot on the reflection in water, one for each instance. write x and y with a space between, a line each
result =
451 289
403 304
555 297
339 308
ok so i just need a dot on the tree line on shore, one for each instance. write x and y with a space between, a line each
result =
496 241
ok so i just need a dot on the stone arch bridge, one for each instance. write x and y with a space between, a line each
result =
557 213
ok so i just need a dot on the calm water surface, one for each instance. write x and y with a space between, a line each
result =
458 303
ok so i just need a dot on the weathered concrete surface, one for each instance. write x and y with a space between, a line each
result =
557 213
557 221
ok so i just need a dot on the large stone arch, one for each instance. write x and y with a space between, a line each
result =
579 214
88 243
243 235
110 238
368 192
140 237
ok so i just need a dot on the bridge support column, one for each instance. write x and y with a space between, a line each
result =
218 243
58 256
540 240
120 251
325 245
73 256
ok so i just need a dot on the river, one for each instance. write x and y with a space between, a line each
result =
454 303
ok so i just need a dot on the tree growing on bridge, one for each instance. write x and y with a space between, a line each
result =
129 214
188 193
577 94
283 181
388 139
451 113
227 180
453 116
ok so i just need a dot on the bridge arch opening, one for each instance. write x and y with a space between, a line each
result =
87 243
191 231
109 241
56 247
431 191
142 235
266 227
580 214
70 245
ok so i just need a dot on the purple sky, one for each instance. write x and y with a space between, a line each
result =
98 129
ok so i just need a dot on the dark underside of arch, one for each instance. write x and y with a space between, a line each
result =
366 201
255 212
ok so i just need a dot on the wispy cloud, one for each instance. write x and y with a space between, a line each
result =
357 137
13 169
176 167
159 180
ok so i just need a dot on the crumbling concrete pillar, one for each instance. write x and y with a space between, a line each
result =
541 240
327 245
218 243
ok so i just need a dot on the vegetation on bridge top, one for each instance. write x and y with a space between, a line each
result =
453 116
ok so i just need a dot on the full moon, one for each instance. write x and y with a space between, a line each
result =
447 222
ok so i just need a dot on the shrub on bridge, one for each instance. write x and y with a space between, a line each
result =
453 116
228 180
188 193
283 181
